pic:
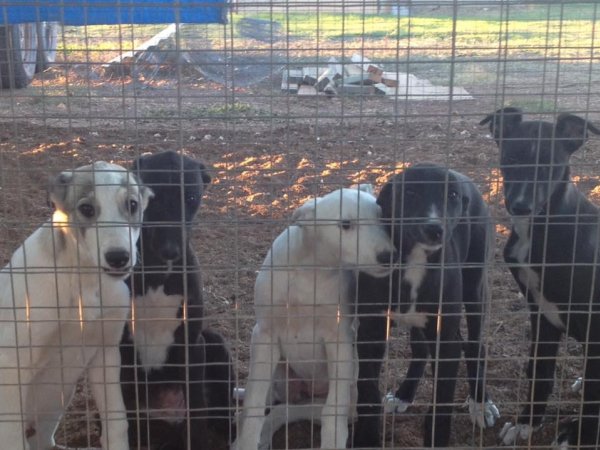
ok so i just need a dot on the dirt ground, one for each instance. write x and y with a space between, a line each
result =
269 152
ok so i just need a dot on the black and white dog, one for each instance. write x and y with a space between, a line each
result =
171 366
441 225
63 303
553 255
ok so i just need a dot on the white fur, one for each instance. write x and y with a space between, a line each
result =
153 325
510 433
62 313
563 444
393 405
577 385
303 313
529 277
413 275
484 415
522 227
550 310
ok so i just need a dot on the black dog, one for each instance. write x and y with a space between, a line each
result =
552 253
174 372
441 225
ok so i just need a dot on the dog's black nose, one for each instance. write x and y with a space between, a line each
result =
117 259
387 257
433 232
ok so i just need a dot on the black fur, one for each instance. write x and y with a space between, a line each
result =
455 273
561 227
198 362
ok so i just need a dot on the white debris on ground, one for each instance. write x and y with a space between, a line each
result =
362 77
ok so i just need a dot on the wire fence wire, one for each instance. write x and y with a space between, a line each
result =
237 127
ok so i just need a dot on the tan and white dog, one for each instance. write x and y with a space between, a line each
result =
303 361
63 305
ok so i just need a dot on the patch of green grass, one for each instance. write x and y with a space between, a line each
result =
528 13
537 29
469 30
535 104
235 108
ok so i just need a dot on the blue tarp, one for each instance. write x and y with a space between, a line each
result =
106 12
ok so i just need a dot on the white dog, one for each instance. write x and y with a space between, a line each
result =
64 303
304 328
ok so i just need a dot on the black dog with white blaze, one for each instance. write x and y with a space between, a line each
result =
173 371
553 255
441 225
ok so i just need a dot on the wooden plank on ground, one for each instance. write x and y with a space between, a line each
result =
119 63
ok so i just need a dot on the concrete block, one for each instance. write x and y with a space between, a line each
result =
380 88
361 61
307 91
293 75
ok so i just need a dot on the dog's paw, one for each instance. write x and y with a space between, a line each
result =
484 415
264 446
238 394
561 442
577 385
393 405
510 432
568 435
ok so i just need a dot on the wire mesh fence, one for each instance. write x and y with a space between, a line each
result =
237 125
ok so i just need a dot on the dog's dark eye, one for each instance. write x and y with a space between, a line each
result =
132 206
87 210
453 195
346 224
191 198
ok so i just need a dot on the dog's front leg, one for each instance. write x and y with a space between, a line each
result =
104 375
416 369
444 367
583 431
264 357
545 339
341 372
371 352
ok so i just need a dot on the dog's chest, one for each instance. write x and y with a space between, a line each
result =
530 278
153 325
415 271
521 249
312 311
412 277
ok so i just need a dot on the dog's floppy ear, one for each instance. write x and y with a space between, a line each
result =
137 166
59 189
387 195
206 178
364 187
573 131
503 122
305 214
146 193
466 200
